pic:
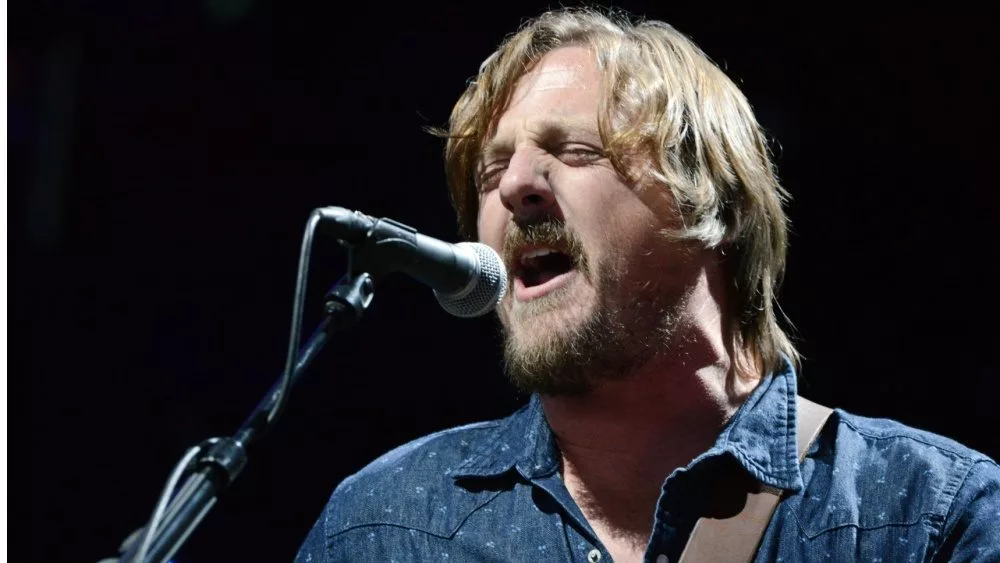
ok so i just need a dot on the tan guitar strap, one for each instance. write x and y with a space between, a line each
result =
736 538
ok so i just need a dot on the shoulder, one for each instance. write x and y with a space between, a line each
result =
918 456
408 490
428 458
412 486
887 432
888 429
908 449
886 491
872 473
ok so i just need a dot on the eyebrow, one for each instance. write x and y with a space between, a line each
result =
549 129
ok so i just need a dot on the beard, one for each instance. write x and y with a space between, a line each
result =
557 347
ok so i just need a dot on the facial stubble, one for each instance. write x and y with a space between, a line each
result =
549 349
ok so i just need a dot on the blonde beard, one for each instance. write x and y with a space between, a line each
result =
563 355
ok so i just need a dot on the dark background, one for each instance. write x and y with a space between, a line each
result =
164 157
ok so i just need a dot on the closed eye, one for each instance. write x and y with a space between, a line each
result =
579 155
570 154
489 176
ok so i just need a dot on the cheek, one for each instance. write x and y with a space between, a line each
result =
660 202
628 239
492 218
622 219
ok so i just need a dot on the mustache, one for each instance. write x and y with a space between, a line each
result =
548 231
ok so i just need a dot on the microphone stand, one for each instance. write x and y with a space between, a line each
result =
221 460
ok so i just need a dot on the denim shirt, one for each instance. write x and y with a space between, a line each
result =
868 490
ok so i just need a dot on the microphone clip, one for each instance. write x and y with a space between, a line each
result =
346 301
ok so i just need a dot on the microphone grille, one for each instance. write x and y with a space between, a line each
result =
486 288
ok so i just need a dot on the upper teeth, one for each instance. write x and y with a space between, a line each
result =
536 253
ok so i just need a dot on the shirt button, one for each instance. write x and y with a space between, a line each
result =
594 556
661 558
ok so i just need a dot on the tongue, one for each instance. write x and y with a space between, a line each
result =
545 276
544 268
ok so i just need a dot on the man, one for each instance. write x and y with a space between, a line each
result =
624 180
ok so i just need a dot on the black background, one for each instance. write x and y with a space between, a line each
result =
164 157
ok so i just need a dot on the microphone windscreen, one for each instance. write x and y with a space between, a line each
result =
485 289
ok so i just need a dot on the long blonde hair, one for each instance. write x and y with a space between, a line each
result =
665 100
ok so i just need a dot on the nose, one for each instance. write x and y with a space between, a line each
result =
524 188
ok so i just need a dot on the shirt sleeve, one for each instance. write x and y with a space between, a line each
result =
971 530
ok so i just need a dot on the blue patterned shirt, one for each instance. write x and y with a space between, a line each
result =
868 490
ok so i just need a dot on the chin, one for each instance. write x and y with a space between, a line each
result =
541 321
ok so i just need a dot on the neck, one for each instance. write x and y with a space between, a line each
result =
671 407
620 441
650 423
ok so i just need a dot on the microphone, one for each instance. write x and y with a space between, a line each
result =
468 278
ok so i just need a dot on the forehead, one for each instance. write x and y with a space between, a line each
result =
562 87
566 68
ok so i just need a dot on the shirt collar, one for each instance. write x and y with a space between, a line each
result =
523 441
761 436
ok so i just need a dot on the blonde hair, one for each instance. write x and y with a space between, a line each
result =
664 100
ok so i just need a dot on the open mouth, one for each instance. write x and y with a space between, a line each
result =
537 267
541 265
